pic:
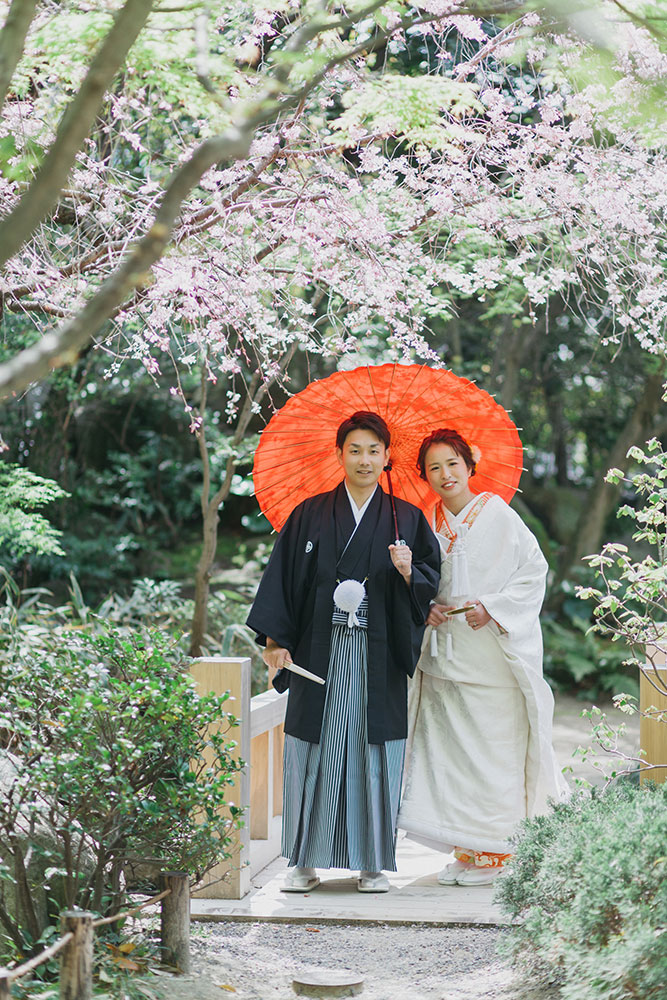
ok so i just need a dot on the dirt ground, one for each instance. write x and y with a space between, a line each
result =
257 961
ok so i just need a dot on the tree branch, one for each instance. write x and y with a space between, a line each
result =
74 126
31 305
201 444
241 188
78 266
12 40
61 346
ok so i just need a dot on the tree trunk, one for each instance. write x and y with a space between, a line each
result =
203 577
602 498
553 401
210 505
24 901
507 362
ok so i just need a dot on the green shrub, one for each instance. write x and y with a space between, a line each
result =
105 766
163 603
577 660
588 887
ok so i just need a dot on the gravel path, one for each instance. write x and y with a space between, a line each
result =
417 962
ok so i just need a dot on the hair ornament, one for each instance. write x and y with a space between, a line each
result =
476 453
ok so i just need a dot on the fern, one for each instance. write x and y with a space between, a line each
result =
23 530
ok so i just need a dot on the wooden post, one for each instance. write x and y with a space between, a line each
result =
260 756
266 772
175 920
5 985
76 958
230 879
652 732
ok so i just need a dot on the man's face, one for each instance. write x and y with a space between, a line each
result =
363 457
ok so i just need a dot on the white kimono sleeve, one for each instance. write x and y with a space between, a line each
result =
516 606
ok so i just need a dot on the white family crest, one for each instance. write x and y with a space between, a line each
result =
309 546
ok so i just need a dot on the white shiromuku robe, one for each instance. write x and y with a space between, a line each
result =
479 752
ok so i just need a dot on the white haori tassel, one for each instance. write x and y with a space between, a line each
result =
434 641
348 596
449 647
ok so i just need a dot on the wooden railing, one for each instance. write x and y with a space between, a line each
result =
258 787
267 715
75 946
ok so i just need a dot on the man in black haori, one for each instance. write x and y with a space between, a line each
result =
339 598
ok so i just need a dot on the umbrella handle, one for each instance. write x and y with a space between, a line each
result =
399 540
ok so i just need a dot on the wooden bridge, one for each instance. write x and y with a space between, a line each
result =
248 886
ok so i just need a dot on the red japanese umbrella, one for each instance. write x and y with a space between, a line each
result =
296 456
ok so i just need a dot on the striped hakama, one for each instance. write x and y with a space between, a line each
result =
341 795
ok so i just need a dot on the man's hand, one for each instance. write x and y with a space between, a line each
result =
438 613
401 556
275 657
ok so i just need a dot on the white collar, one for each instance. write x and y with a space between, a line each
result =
457 518
358 512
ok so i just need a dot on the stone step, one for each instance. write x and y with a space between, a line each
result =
414 897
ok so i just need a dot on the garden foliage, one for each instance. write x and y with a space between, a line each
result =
588 882
588 885
23 528
105 767
631 595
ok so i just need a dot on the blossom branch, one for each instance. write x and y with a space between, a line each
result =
74 126
61 346
33 306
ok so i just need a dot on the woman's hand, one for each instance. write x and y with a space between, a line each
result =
478 616
401 556
275 657
438 614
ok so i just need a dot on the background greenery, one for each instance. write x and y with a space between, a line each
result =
421 203
126 469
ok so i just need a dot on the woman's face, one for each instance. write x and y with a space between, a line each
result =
447 473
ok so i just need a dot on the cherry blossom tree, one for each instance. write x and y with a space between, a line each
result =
283 186
571 191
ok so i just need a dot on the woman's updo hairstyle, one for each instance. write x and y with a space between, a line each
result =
445 435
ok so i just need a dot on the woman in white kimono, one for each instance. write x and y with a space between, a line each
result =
479 754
